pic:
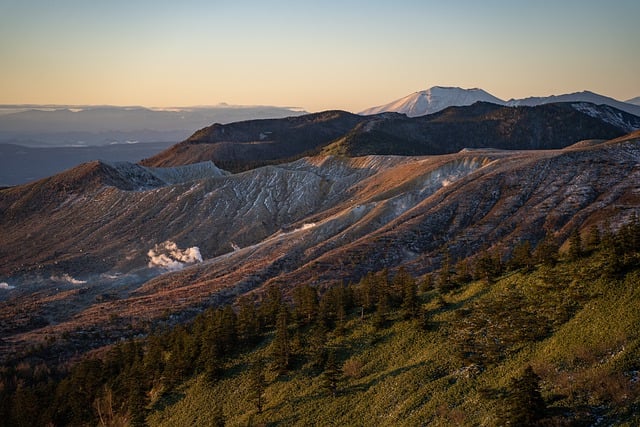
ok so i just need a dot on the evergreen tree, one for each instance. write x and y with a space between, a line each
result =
443 282
24 407
525 406
280 346
331 374
366 292
217 416
547 251
316 346
427 283
488 266
521 257
593 238
248 324
575 245
409 298
257 385
271 306
305 301
137 396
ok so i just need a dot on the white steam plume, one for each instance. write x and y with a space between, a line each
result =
167 255
67 278
6 286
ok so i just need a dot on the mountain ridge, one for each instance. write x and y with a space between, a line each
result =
244 145
419 103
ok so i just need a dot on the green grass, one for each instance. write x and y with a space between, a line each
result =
403 375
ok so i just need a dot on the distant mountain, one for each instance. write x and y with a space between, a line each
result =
20 164
634 101
438 98
244 145
584 96
55 125
433 100
484 125
248 144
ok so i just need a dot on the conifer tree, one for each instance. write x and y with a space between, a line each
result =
525 406
248 325
575 245
305 301
281 347
409 298
331 374
257 385
521 257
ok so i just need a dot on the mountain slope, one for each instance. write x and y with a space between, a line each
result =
484 125
242 145
245 145
634 101
433 100
316 220
584 96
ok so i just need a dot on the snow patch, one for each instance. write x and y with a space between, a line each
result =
167 255
5 286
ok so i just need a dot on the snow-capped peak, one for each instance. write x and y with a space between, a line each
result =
584 96
438 98
433 100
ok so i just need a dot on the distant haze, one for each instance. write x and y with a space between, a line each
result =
314 55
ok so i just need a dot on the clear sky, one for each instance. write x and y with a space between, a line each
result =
312 54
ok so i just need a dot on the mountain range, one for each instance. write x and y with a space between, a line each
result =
438 98
273 265
90 125
335 195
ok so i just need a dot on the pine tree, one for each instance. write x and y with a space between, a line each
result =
594 238
280 345
271 305
521 257
316 345
248 325
547 251
257 385
305 301
525 405
409 298
575 245
217 416
331 374
444 282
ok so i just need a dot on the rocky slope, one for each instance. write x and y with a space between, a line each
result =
104 247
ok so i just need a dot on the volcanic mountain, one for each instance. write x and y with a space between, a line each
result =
438 98
433 100
114 247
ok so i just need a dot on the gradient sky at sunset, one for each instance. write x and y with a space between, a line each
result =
316 55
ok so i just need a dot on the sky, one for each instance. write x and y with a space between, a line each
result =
315 55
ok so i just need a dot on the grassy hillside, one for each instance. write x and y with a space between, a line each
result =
533 340
575 326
